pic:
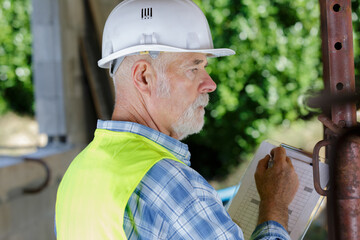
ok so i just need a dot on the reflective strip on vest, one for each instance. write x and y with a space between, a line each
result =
95 189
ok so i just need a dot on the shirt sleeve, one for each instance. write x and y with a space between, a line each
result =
203 215
173 201
204 218
270 230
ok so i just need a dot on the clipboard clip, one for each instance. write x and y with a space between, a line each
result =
316 170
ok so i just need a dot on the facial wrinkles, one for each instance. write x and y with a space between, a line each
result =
188 123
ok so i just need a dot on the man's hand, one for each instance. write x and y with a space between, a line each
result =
276 186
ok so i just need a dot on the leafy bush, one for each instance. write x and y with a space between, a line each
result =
277 61
16 89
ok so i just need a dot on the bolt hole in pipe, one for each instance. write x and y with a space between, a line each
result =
339 86
338 45
336 7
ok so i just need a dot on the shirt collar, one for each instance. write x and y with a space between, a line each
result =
177 148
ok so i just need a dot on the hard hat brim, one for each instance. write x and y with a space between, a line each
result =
105 62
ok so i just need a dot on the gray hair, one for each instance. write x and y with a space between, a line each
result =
160 65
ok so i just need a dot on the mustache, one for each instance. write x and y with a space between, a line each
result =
201 101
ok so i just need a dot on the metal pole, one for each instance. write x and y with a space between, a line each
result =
339 80
346 194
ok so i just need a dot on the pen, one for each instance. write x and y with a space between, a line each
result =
270 162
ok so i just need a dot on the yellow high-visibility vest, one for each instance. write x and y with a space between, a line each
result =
95 189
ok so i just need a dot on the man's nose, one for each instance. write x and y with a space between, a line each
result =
207 85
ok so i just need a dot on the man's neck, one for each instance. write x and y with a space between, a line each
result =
134 114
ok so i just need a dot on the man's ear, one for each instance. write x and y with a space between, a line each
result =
143 76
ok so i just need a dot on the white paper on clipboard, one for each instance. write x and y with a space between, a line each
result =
244 208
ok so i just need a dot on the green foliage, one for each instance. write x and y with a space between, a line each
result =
356 37
277 61
16 89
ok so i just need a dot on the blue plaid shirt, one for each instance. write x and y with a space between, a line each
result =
173 201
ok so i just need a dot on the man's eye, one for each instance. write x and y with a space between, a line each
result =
194 70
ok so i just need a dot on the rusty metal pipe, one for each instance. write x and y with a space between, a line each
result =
338 38
346 183
339 79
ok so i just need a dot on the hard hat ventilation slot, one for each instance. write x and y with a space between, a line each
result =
146 13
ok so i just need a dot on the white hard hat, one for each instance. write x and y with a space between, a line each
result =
152 26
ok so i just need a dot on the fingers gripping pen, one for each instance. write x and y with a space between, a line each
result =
270 162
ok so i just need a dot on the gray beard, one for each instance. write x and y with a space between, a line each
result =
188 123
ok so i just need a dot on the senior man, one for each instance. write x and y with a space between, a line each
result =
134 180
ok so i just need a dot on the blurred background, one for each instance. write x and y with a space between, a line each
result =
52 93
